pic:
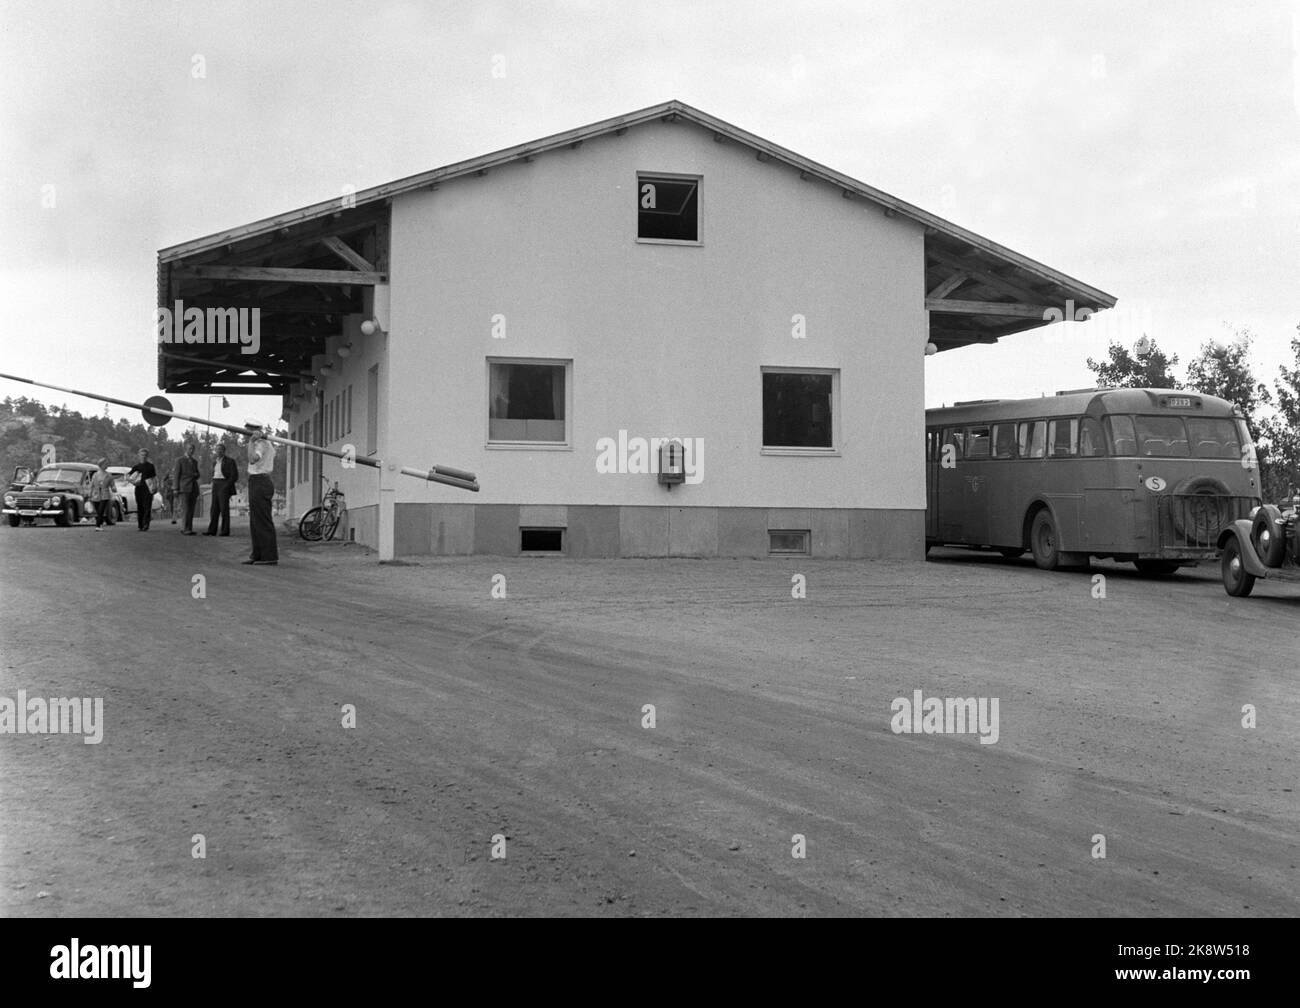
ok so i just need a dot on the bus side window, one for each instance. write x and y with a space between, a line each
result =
1061 435
1004 440
1091 441
1033 439
1123 440
977 442
952 436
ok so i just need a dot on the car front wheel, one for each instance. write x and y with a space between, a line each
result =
13 520
1237 581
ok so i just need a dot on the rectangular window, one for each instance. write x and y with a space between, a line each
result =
1213 438
1123 439
977 442
799 409
1004 440
1062 436
788 542
668 208
347 410
372 410
541 540
1161 437
1032 439
1092 443
956 437
527 402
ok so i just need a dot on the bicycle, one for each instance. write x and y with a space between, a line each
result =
322 521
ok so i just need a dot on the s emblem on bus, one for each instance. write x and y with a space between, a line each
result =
974 482
1155 484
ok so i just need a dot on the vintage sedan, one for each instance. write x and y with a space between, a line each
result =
1265 545
60 491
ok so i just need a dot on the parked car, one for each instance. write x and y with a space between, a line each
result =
1265 545
126 492
59 491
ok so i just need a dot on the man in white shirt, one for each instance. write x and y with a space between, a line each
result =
261 492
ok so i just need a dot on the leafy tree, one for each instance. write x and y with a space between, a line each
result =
1281 431
1150 369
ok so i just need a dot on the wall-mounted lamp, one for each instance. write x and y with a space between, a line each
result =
370 326
931 349
327 369
345 351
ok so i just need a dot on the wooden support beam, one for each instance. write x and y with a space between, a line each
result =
948 286
986 276
281 274
267 305
1004 309
345 252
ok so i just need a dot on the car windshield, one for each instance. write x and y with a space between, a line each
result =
57 474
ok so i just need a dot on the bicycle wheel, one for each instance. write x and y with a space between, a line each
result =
338 519
310 528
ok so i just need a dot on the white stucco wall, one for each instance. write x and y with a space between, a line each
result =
665 340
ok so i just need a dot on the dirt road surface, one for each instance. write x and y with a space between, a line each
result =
522 717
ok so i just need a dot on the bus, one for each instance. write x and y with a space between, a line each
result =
1142 476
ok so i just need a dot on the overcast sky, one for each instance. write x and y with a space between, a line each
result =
1151 150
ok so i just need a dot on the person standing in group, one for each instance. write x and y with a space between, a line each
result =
169 497
145 478
102 492
224 475
261 492
187 486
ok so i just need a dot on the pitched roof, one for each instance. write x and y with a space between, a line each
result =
978 290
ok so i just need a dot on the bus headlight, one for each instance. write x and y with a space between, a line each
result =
56 500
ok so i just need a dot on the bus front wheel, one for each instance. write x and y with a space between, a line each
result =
1044 542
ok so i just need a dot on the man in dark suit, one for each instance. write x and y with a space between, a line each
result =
187 485
224 474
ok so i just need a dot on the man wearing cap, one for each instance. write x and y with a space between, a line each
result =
261 492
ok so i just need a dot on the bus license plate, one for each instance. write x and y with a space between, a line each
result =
28 514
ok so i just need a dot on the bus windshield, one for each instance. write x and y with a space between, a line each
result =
1193 437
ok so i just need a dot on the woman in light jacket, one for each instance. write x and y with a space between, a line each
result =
103 491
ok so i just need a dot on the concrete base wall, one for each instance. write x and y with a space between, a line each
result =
620 531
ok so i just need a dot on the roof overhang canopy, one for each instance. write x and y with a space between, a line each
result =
306 267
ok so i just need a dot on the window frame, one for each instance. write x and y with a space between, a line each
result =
1022 444
837 426
806 535
699 207
567 443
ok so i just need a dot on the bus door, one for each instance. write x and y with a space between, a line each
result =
975 485
948 482
932 483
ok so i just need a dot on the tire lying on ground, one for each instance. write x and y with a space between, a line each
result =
1268 536
1200 523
